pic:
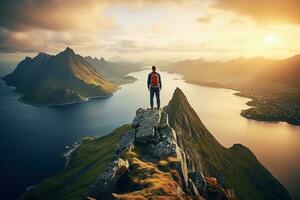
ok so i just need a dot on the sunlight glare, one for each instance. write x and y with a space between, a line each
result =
271 39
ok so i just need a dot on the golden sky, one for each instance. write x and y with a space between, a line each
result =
153 29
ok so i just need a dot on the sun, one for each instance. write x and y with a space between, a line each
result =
271 39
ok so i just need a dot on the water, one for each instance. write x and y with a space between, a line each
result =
33 138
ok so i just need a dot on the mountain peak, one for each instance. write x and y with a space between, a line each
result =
178 95
41 55
178 103
69 50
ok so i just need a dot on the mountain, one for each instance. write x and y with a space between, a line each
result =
230 73
237 70
115 72
285 71
235 167
58 79
166 154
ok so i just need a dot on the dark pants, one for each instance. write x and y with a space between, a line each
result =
154 90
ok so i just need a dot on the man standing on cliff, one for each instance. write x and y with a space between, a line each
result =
154 86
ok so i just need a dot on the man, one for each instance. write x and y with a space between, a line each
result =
154 86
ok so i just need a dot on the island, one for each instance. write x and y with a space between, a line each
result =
67 78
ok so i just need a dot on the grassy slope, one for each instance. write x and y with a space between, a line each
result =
147 180
89 160
236 167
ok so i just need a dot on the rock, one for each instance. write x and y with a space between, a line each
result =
151 131
199 181
146 123
122 163
145 132
125 142
163 149
138 115
150 117
166 132
190 165
182 168
194 190
164 121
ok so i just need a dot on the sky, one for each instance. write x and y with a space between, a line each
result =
151 29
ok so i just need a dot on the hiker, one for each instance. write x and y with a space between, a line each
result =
154 86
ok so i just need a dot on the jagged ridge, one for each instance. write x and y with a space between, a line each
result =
235 168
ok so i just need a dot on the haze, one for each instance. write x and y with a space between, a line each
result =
153 30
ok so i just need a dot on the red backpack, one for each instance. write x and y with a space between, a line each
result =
154 79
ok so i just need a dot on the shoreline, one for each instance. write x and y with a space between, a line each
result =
244 112
20 99
68 155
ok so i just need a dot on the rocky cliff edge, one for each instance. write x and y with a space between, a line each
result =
149 164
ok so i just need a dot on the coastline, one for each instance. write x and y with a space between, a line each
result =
20 99
253 102
68 155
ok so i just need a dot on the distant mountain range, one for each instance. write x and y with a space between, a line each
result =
114 71
283 71
66 78
273 85
167 154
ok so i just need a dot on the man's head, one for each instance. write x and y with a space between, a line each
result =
153 68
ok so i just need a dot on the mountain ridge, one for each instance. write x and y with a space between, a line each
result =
115 72
166 154
40 77
216 160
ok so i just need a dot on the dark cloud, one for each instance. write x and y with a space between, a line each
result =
49 15
11 42
266 11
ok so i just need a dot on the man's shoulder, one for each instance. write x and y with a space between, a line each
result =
153 73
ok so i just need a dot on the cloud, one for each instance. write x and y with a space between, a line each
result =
205 19
43 40
265 12
64 15
52 15
128 44
34 25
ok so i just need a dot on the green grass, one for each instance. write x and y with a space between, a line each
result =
88 161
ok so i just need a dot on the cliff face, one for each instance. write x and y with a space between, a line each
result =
149 164
235 168
166 154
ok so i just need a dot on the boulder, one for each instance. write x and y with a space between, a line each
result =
146 123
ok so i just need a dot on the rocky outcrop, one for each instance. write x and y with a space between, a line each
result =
157 142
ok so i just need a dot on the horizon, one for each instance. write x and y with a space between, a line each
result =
170 30
165 62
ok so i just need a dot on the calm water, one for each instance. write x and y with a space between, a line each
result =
33 138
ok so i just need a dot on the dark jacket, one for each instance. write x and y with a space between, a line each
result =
149 80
